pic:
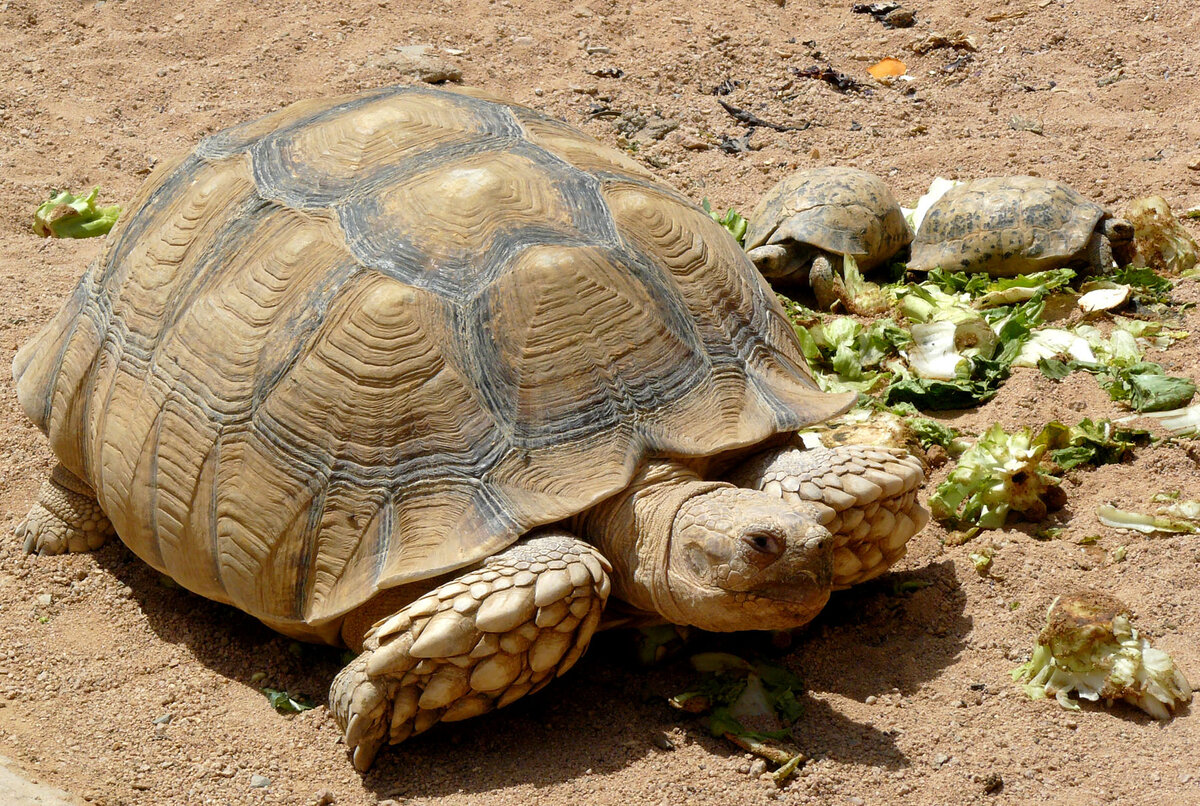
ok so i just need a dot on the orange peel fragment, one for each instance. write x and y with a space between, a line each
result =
887 68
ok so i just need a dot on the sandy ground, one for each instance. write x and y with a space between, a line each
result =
123 689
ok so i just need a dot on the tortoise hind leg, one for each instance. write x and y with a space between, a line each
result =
473 644
65 518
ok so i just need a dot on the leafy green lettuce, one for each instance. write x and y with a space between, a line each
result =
66 215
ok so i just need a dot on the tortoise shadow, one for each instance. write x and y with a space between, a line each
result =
615 710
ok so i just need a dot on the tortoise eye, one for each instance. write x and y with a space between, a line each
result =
765 543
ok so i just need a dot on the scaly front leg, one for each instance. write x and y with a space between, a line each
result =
476 643
871 491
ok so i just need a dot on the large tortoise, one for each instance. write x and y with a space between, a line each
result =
428 374
809 222
1010 225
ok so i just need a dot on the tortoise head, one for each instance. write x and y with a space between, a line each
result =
741 559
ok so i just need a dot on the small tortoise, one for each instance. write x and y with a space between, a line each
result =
802 228
429 375
1011 225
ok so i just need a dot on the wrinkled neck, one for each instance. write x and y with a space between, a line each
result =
633 530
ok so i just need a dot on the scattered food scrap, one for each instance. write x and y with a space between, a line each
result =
1178 517
285 703
887 68
733 221
1160 241
1090 647
65 215
750 704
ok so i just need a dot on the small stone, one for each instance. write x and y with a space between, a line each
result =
657 128
44 599
663 742
418 61
324 798
260 781
165 719
815 154
757 767
899 18
523 41
871 699
940 759
1194 165
140 785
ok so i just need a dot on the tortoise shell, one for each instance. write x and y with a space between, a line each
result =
367 340
1006 226
840 210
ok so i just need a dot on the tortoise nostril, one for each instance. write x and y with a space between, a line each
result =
820 542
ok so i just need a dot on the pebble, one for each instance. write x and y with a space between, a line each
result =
940 759
44 599
324 798
871 699
260 781
165 719
757 767
663 742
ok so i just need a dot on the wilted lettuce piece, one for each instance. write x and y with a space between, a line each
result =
980 385
1023 287
750 704
1178 422
844 355
1090 647
931 432
1094 443
1053 343
933 353
1000 474
862 297
284 703
1148 286
916 214
927 303
1169 519
1103 295
732 221
1160 240
66 215
1145 387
